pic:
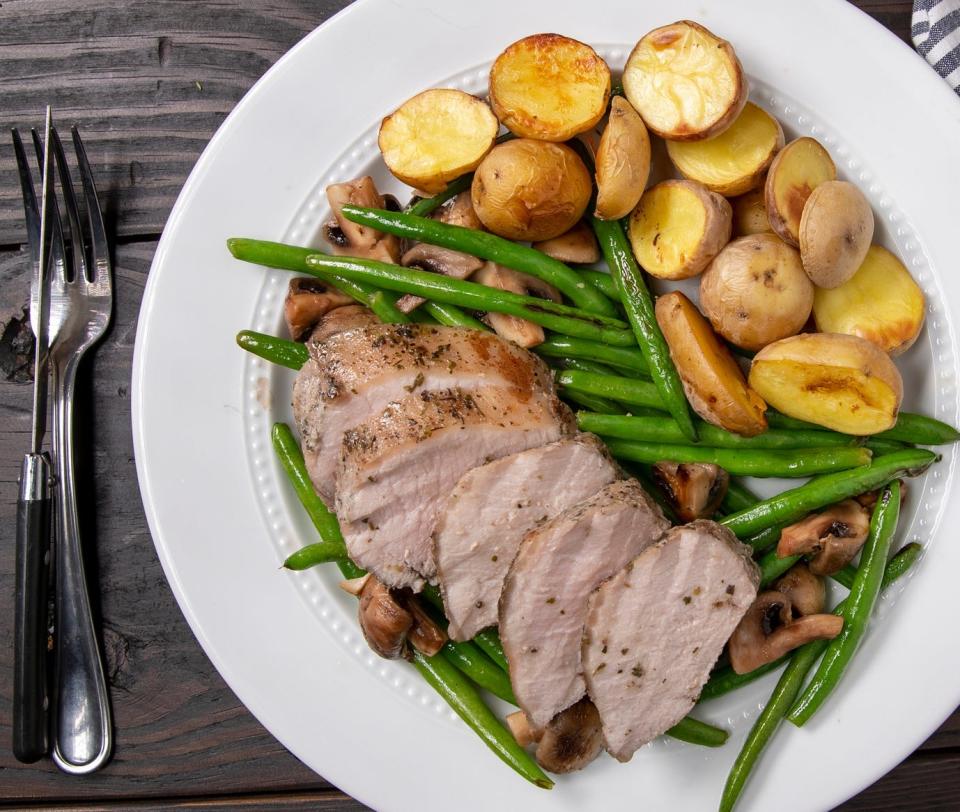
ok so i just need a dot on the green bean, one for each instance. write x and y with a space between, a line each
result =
879 447
910 428
603 282
765 538
625 390
452 316
845 576
745 462
489 642
794 504
738 497
772 566
791 681
282 351
556 317
428 205
858 607
466 702
293 258
694 731
594 403
321 552
468 657
639 306
628 358
725 680
664 429
486 246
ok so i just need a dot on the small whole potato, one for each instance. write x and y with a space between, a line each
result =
836 231
530 190
755 291
750 214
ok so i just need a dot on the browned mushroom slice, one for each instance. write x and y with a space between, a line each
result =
524 732
439 260
694 489
520 331
383 620
832 537
459 211
340 320
308 300
572 739
424 635
350 239
578 245
805 590
768 631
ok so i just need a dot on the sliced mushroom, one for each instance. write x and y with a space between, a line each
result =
522 730
341 319
768 631
572 739
519 331
383 620
834 537
354 586
436 259
578 245
805 590
694 489
459 211
308 300
350 239
425 635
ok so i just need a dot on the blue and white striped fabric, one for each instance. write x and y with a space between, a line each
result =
936 35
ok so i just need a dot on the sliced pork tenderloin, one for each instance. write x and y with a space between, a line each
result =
544 602
655 629
397 468
354 374
490 510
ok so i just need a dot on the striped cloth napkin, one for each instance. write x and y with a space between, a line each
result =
936 34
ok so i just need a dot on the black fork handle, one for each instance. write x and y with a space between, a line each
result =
30 635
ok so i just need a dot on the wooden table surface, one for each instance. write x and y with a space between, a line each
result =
149 83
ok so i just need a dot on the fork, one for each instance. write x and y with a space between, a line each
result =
81 303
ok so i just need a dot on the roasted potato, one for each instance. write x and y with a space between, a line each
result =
755 291
880 303
712 379
836 230
549 87
678 227
530 190
798 169
750 214
734 161
437 136
685 82
623 161
840 382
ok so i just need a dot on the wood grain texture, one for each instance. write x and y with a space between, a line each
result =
149 83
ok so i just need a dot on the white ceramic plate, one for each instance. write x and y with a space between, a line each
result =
222 517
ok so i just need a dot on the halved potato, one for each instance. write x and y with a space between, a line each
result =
734 161
531 190
437 136
841 382
755 291
712 379
880 303
836 230
750 214
549 87
678 227
798 169
623 161
685 82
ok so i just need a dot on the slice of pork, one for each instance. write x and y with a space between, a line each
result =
655 629
398 467
355 374
492 508
544 601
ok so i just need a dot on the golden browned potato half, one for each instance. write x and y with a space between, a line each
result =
750 214
836 230
712 380
549 87
623 161
437 136
734 161
880 303
841 382
798 169
678 227
530 190
756 292
685 82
